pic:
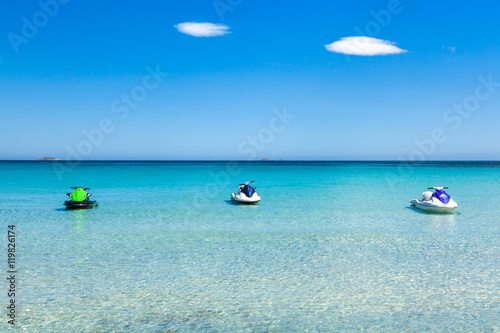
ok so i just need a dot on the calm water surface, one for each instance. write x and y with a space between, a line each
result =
333 246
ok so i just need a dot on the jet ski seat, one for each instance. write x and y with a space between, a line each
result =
427 196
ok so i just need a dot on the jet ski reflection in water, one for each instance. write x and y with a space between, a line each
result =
438 202
80 199
246 194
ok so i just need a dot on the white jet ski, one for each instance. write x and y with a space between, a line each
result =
246 194
438 202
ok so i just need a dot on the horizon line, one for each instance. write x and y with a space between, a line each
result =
250 161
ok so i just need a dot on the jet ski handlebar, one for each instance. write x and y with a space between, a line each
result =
437 188
84 188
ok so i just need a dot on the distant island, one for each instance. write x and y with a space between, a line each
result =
49 159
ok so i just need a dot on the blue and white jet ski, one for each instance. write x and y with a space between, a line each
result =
246 194
438 201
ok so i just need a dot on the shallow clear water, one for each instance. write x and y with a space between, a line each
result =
333 246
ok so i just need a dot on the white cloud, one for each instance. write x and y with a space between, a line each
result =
202 29
364 46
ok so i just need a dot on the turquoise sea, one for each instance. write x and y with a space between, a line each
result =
332 247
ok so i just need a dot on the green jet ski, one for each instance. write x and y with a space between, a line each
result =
80 199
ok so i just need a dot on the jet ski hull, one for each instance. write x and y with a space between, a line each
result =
430 207
243 199
80 204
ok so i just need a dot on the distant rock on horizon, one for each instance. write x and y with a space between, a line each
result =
49 159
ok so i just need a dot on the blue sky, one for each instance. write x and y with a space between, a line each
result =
225 97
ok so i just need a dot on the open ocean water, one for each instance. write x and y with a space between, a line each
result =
332 246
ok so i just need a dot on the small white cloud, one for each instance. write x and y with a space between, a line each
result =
202 29
364 46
